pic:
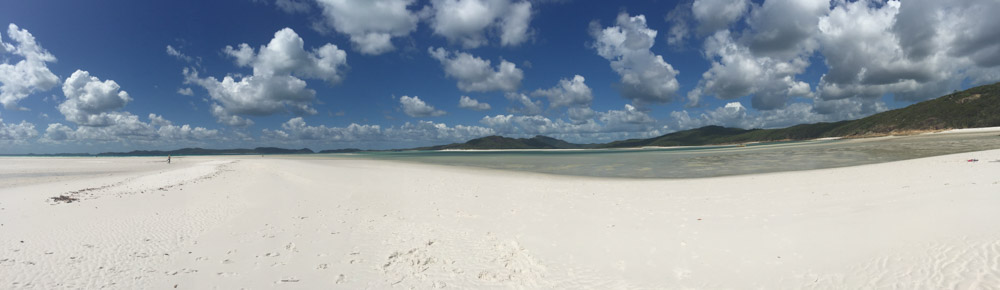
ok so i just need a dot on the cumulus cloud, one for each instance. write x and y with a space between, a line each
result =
186 132
18 133
168 131
285 55
614 125
254 95
414 107
95 107
629 119
731 115
275 86
645 77
467 22
371 24
171 51
737 72
475 74
92 102
27 76
293 6
123 128
296 129
465 102
913 50
915 53
679 19
580 115
784 28
523 104
567 93
185 91
223 116
713 15
534 125
129 129
430 131
735 115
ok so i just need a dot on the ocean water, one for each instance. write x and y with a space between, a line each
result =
705 161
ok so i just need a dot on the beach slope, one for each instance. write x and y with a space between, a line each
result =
294 222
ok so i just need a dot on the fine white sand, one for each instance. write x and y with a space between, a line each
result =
287 222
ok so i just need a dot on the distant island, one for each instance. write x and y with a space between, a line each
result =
973 108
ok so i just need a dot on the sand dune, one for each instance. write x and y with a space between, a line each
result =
232 222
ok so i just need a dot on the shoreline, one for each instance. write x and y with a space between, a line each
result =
232 222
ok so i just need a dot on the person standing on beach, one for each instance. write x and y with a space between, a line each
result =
168 158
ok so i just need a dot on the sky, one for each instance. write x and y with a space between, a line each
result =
121 75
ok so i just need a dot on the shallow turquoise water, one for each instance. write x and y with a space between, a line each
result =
709 161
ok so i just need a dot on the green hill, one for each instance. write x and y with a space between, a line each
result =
500 142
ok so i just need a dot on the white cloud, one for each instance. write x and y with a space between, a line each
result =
91 102
285 55
185 91
913 50
630 119
430 131
469 21
275 86
157 120
679 19
713 15
616 125
972 25
475 74
514 28
414 107
529 125
27 76
371 24
293 6
784 28
18 133
223 116
731 115
178 54
568 93
95 107
580 115
465 102
916 53
172 133
523 104
122 127
128 129
645 77
296 129
257 95
735 115
737 72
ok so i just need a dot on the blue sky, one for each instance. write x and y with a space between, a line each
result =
95 76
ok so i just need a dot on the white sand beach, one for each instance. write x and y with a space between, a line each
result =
303 223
